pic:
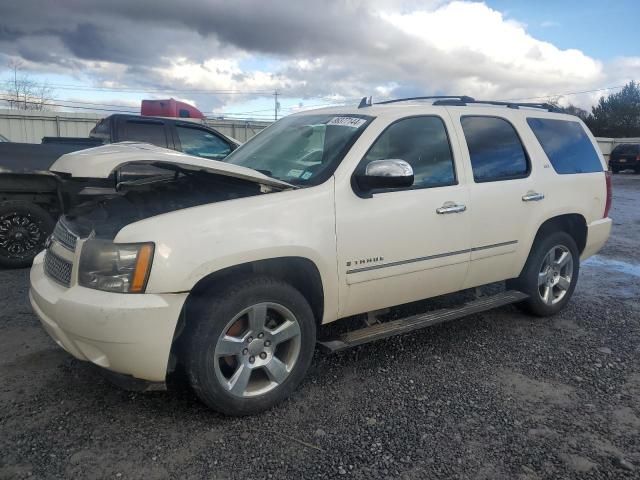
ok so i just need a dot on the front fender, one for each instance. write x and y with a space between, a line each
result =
196 242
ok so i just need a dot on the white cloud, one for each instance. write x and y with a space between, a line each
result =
338 52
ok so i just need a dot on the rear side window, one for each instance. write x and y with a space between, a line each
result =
495 149
566 144
149 132
424 144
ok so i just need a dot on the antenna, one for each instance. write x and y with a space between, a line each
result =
365 102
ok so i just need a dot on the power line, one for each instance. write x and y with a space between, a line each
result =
564 94
50 104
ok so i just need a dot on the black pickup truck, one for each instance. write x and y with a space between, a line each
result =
32 197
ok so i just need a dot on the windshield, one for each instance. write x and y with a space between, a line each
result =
302 150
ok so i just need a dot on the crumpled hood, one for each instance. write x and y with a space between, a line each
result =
100 162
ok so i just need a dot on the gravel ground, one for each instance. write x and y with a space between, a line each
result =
497 395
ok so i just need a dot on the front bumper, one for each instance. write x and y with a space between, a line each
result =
125 333
597 235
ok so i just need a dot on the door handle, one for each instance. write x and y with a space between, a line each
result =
450 207
532 196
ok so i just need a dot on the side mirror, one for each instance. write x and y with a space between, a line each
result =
392 173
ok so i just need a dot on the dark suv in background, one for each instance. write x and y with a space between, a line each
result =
625 156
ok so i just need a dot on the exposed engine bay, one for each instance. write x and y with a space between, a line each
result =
137 197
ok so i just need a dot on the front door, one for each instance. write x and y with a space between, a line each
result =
402 245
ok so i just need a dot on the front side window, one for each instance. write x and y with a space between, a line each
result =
566 144
202 143
495 149
301 149
424 144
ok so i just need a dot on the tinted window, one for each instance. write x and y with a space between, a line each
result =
566 144
626 149
421 141
202 143
101 130
495 149
149 132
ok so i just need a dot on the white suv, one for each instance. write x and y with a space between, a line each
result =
229 268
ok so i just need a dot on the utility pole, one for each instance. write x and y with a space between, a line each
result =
275 105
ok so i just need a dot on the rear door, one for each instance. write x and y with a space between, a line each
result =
505 193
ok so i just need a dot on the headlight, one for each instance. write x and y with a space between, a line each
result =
114 267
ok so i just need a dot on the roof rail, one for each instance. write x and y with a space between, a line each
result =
514 105
461 98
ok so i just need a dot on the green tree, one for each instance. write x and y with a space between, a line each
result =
617 115
570 109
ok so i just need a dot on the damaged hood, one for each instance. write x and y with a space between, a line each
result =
100 162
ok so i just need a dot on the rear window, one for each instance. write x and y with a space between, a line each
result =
626 149
566 144
149 132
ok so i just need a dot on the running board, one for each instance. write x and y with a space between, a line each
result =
415 322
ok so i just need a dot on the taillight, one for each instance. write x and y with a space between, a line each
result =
607 206
638 158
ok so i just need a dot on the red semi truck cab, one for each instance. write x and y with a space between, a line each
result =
169 108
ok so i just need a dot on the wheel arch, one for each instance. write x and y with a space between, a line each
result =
300 272
574 224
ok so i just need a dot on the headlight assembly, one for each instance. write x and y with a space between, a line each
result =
115 267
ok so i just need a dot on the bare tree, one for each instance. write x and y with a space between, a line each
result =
22 93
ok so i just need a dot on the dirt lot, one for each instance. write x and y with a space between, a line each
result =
497 395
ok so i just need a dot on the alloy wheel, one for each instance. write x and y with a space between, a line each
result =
19 235
257 350
555 275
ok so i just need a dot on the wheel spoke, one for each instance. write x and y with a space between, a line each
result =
238 382
564 259
547 296
563 283
276 370
257 317
228 346
549 258
284 332
542 278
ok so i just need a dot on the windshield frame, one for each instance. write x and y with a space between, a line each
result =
331 167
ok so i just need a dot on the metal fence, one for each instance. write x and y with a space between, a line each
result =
30 126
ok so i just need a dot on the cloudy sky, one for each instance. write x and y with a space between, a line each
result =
228 57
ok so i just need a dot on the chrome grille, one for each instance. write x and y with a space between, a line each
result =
65 236
57 268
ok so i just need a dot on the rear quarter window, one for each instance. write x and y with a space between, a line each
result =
567 145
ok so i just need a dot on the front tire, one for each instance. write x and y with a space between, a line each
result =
550 274
24 228
250 346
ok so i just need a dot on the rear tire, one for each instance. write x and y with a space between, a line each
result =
550 275
250 345
24 228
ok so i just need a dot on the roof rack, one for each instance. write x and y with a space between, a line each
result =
460 100
514 105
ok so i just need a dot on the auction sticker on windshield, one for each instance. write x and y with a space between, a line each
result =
353 122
